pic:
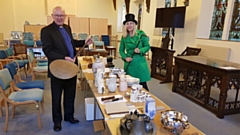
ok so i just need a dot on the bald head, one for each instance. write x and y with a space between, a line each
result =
58 8
58 15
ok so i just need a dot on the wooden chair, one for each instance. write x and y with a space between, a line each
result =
190 51
20 50
19 64
113 46
18 97
19 82
34 69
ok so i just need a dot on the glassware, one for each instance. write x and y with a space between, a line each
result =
150 107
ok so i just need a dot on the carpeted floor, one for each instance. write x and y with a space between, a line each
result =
25 121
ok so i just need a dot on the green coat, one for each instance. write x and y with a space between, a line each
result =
138 67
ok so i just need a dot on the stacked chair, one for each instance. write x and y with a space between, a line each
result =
74 36
98 45
20 83
20 50
13 96
28 39
106 40
39 62
82 36
36 67
39 42
10 54
19 64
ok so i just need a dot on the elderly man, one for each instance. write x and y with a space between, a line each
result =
58 43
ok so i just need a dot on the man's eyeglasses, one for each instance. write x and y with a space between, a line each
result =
59 16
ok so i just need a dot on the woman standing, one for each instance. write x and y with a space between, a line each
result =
133 46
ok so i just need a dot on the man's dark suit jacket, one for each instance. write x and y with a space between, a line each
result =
54 46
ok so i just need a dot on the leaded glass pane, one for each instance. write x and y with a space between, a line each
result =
234 33
168 3
219 13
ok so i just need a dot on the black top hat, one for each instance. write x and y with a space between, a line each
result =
130 17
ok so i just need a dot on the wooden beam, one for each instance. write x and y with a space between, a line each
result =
114 4
127 3
148 5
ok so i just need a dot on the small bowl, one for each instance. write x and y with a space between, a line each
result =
139 87
128 79
121 73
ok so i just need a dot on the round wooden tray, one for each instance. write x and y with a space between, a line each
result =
63 69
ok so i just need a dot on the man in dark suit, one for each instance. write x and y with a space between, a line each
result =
58 43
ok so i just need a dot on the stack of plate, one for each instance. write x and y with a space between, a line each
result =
132 80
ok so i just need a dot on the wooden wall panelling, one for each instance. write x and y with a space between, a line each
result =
49 20
103 26
36 29
84 25
74 23
94 26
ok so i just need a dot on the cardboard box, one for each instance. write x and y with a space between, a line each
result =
98 125
89 108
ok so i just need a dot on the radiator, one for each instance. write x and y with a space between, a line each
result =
222 53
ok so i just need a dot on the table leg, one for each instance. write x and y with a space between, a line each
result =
222 97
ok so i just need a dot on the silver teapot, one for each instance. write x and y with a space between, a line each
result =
174 121
137 124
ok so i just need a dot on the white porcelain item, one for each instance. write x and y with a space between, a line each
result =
99 77
112 83
134 94
123 84
139 87
98 64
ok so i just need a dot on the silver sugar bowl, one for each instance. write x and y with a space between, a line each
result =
174 121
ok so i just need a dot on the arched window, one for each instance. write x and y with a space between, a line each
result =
218 18
234 33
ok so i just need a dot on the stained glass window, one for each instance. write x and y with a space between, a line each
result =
168 3
234 33
218 19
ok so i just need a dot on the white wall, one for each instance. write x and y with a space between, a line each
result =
7 22
186 36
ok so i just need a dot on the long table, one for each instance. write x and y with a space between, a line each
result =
211 83
113 123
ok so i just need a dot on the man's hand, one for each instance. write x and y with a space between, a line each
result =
136 50
89 41
128 59
70 59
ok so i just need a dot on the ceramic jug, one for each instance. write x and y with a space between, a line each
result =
99 77
98 64
123 84
101 88
112 83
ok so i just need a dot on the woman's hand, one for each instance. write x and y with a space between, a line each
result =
128 59
88 41
136 50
